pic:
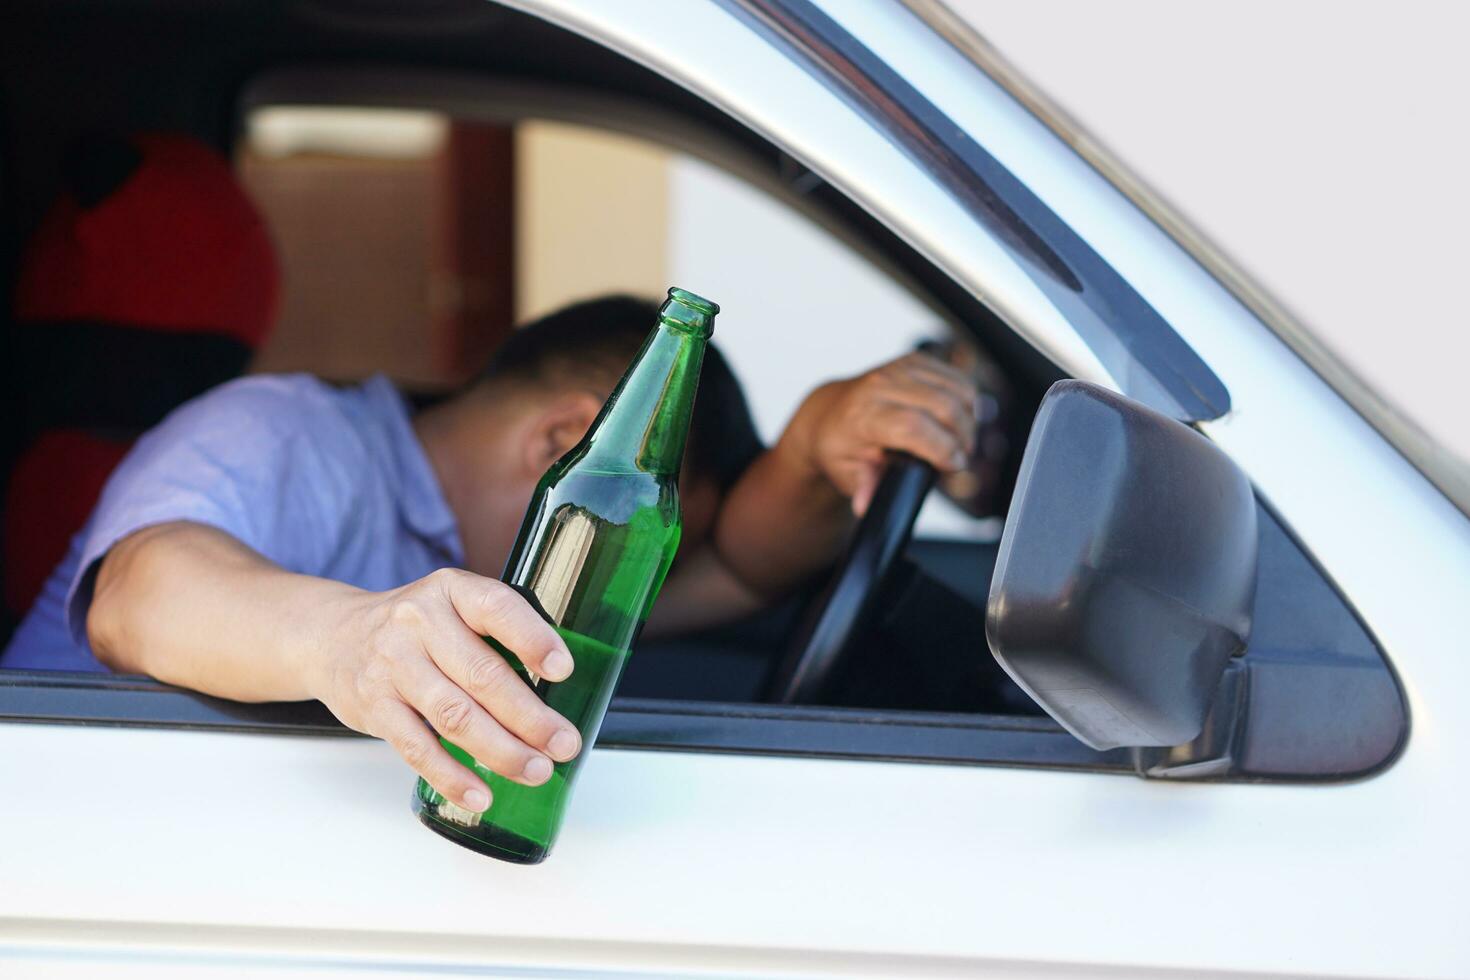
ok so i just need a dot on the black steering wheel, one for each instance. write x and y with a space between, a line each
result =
845 606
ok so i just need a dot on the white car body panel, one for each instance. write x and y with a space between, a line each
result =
242 853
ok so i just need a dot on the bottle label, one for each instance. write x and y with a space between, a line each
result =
558 567
456 814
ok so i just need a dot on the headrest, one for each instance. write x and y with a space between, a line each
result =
151 231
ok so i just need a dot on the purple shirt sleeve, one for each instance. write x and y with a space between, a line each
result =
268 460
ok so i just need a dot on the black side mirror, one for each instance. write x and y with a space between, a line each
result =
1126 571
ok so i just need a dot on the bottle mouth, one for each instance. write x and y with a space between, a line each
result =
689 310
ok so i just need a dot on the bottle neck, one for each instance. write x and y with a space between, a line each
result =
645 424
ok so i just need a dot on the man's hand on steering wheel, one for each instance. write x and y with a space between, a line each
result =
789 516
916 403
870 437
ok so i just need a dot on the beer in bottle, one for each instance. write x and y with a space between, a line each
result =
596 542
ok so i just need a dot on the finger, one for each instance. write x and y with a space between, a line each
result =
398 726
491 608
867 485
456 716
946 377
955 415
493 684
922 360
899 426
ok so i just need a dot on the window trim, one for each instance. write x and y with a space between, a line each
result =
135 701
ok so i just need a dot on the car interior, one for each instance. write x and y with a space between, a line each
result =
507 106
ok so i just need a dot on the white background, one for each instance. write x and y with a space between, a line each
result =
1322 144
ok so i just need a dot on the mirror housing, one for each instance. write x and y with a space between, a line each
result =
1126 572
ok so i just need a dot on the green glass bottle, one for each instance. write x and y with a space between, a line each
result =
596 543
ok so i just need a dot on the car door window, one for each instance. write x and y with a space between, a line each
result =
415 236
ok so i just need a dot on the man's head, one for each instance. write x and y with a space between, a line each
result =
536 399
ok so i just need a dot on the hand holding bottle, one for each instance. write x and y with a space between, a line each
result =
391 661
598 537
401 664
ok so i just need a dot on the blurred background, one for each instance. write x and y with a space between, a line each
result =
412 223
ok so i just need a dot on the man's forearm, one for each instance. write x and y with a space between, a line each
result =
781 523
700 592
790 513
193 606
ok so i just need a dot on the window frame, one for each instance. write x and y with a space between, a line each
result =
136 701
894 736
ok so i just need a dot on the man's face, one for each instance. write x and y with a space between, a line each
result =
510 445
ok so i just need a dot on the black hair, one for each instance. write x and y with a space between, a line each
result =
593 342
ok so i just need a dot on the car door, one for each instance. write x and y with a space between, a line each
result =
153 832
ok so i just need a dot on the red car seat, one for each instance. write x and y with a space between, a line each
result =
151 279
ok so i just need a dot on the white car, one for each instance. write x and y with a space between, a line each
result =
1311 822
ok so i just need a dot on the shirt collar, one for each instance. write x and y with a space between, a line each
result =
421 500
